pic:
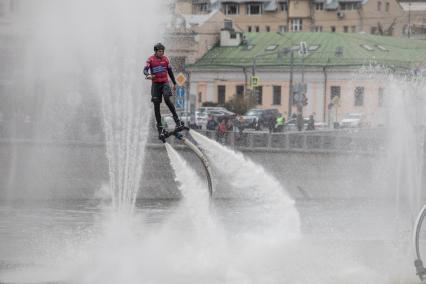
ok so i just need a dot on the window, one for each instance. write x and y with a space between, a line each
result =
200 97
254 9
268 29
333 29
359 96
232 9
296 24
353 29
272 47
282 29
257 28
283 6
319 6
348 6
314 47
367 47
379 6
249 29
381 47
203 8
335 92
387 7
276 95
178 63
258 94
381 96
345 29
318 29
221 94
239 90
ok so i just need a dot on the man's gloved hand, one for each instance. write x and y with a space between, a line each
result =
150 77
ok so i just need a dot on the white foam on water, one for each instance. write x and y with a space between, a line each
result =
250 182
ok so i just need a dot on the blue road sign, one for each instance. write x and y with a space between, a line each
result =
180 92
180 102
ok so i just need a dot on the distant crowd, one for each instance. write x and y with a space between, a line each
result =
223 125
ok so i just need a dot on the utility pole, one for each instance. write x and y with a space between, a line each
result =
409 19
303 51
290 86
253 74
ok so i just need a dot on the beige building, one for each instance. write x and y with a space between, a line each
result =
416 19
370 16
327 70
190 35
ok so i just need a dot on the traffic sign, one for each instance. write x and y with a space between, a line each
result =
180 79
254 81
303 48
180 103
180 92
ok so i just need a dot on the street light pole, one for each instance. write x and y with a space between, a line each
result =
409 19
253 73
253 67
290 86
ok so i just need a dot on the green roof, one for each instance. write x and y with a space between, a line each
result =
357 49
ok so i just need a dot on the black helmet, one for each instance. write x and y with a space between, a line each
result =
159 46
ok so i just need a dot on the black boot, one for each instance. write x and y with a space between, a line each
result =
179 125
162 133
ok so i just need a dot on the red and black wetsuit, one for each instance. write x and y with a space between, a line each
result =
160 67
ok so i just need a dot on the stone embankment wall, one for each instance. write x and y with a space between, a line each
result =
80 170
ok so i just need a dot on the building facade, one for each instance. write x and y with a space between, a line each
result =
382 17
327 72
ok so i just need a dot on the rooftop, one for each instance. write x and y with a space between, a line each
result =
324 49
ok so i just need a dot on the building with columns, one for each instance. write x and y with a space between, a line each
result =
328 69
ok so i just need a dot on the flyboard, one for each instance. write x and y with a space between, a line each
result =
196 151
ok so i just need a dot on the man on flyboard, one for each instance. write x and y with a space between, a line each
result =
158 69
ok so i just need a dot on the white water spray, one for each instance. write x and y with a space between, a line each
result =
250 182
85 58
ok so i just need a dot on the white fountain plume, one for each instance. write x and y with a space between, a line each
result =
252 183
87 57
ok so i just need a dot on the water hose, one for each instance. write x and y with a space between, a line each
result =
203 160
418 263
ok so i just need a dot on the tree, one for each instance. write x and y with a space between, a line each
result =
386 32
209 104
240 104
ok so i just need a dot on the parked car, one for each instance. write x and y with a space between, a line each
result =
220 114
201 115
187 118
200 119
202 110
352 120
258 118
291 124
